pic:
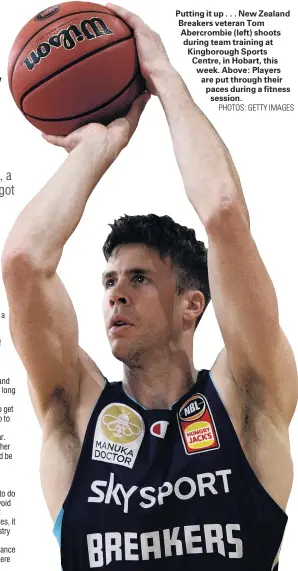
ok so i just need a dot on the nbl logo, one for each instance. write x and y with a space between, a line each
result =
197 427
193 409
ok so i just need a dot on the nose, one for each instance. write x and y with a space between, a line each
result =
117 300
118 296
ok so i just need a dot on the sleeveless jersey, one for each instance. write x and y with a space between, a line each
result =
158 490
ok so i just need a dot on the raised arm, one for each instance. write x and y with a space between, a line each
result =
242 292
259 355
42 318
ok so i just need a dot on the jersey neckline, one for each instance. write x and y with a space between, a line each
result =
171 407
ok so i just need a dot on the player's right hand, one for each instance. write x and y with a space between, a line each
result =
153 58
110 139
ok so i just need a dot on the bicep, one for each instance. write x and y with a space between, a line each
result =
246 308
244 298
44 330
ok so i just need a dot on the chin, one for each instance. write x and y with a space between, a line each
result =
120 349
128 354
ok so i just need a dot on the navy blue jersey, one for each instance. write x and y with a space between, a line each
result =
167 490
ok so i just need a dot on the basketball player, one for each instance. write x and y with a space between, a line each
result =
171 468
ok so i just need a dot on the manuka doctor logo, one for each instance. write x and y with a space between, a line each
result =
118 435
67 38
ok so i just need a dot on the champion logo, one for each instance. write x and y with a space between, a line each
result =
159 428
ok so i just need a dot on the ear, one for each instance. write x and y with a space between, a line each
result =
194 304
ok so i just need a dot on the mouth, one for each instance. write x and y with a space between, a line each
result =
119 323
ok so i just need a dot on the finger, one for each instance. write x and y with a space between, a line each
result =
138 107
132 19
122 129
135 112
54 139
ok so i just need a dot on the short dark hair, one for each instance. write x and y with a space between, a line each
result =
171 240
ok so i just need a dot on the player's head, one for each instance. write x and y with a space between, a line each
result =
156 280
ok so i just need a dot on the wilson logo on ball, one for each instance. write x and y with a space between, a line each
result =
68 38
47 13
77 66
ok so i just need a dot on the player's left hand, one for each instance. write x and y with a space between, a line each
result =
110 139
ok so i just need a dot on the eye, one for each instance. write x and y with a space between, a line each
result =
140 279
109 283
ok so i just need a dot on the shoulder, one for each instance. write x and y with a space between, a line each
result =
68 417
63 428
264 439
234 399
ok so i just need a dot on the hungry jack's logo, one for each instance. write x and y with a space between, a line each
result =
197 427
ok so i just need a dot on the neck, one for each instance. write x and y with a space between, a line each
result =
159 383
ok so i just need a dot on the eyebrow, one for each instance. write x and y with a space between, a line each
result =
129 272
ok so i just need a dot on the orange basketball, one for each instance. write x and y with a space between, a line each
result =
74 63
